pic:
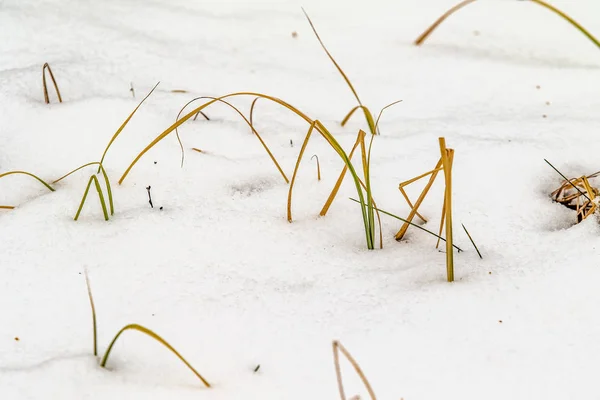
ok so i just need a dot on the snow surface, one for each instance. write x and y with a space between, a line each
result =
222 275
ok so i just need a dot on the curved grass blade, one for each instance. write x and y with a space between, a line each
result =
464 3
106 180
124 124
318 166
338 348
46 97
289 200
381 113
202 107
89 290
472 241
28 174
75 170
412 224
251 127
252 110
159 339
100 195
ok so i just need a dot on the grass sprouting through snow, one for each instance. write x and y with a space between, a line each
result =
156 337
94 325
337 349
28 174
472 241
46 96
106 181
318 166
100 196
464 3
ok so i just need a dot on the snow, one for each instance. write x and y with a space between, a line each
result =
222 275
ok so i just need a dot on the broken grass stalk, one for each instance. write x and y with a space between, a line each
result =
46 96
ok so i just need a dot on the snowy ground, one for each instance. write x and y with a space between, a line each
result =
222 275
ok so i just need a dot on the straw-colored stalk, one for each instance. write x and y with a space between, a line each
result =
28 174
94 325
100 196
46 97
114 137
447 164
156 337
318 166
106 181
262 142
7 207
337 349
464 3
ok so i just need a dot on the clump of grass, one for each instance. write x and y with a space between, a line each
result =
100 196
366 205
135 327
367 113
464 3
46 97
337 349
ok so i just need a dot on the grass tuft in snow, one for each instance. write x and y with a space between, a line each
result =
46 96
100 196
154 336
28 174
337 349
464 3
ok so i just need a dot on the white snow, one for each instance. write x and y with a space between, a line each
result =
222 275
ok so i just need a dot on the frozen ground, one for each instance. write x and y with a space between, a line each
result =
222 275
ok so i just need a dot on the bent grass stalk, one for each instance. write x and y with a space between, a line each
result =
94 325
262 142
464 3
106 181
100 196
28 174
339 348
289 200
318 166
156 337
46 97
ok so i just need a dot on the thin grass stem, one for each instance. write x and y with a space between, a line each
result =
472 241
46 97
94 325
339 348
28 174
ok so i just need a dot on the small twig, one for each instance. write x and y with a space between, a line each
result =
471 239
204 115
131 89
149 196
568 180
257 368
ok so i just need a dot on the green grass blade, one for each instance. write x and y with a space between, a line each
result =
124 124
28 174
412 224
95 327
75 170
108 190
472 241
159 339
100 195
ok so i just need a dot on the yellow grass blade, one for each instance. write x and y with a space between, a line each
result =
289 201
95 327
414 210
124 124
441 19
251 127
28 174
159 339
202 107
338 348
7 207
447 158
382 110
46 97
75 170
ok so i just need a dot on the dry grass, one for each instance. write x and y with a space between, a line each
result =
46 96
28 174
464 3
337 349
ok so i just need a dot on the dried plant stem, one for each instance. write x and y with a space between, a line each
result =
114 137
28 174
339 348
7 207
289 201
464 3
95 327
156 337
46 97
472 241
447 163
100 196
318 166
